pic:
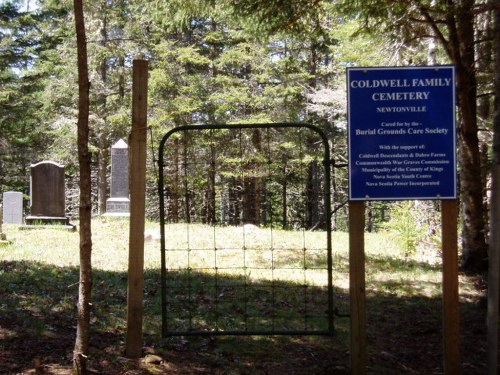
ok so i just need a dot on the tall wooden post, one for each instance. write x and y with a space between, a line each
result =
451 310
357 287
137 173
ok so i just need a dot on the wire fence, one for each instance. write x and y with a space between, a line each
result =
245 230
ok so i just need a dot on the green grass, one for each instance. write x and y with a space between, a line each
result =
110 250
39 279
242 258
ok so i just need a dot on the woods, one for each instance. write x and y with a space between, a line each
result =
236 61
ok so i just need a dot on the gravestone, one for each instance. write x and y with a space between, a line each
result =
13 207
119 202
47 195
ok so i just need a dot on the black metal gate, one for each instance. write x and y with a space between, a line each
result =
246 230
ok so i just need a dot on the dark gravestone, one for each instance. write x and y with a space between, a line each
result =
119 203
47 198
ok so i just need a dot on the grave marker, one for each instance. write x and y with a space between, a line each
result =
119 202
47 196
13 207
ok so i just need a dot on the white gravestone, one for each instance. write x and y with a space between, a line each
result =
13 207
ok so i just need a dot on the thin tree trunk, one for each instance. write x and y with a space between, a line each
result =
187 200
235 188
102 179
210 198
431 46
313 195
252 186
121 80
85 286
284 200
174 209
104 144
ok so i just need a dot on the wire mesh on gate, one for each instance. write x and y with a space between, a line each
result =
245 230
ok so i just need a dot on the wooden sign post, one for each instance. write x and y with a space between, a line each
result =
402 146
357 286
451 309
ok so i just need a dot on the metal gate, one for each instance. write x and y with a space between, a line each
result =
245 225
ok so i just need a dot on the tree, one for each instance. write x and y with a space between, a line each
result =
452 24
27 39
494 240
85 286
107 69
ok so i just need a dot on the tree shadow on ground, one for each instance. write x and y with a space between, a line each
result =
38 318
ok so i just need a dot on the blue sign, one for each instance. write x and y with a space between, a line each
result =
402 135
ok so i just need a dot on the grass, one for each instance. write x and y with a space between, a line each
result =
38 291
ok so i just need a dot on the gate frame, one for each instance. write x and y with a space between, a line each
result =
327 203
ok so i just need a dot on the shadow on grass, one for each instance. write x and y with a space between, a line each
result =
389 264
38 318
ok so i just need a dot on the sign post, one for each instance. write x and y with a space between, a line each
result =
402 146
357 286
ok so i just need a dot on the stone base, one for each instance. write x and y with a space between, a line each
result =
116 214
49 222
117 207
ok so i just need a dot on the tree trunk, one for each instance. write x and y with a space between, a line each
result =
234 200
494 239
85 286
209 215
187 195
284 200
104 144
313 195
252 185
462 45
102 179
251 200
174 197
431 43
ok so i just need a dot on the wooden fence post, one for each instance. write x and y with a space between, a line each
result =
137 173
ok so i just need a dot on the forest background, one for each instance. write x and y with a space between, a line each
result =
237 62
242 61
